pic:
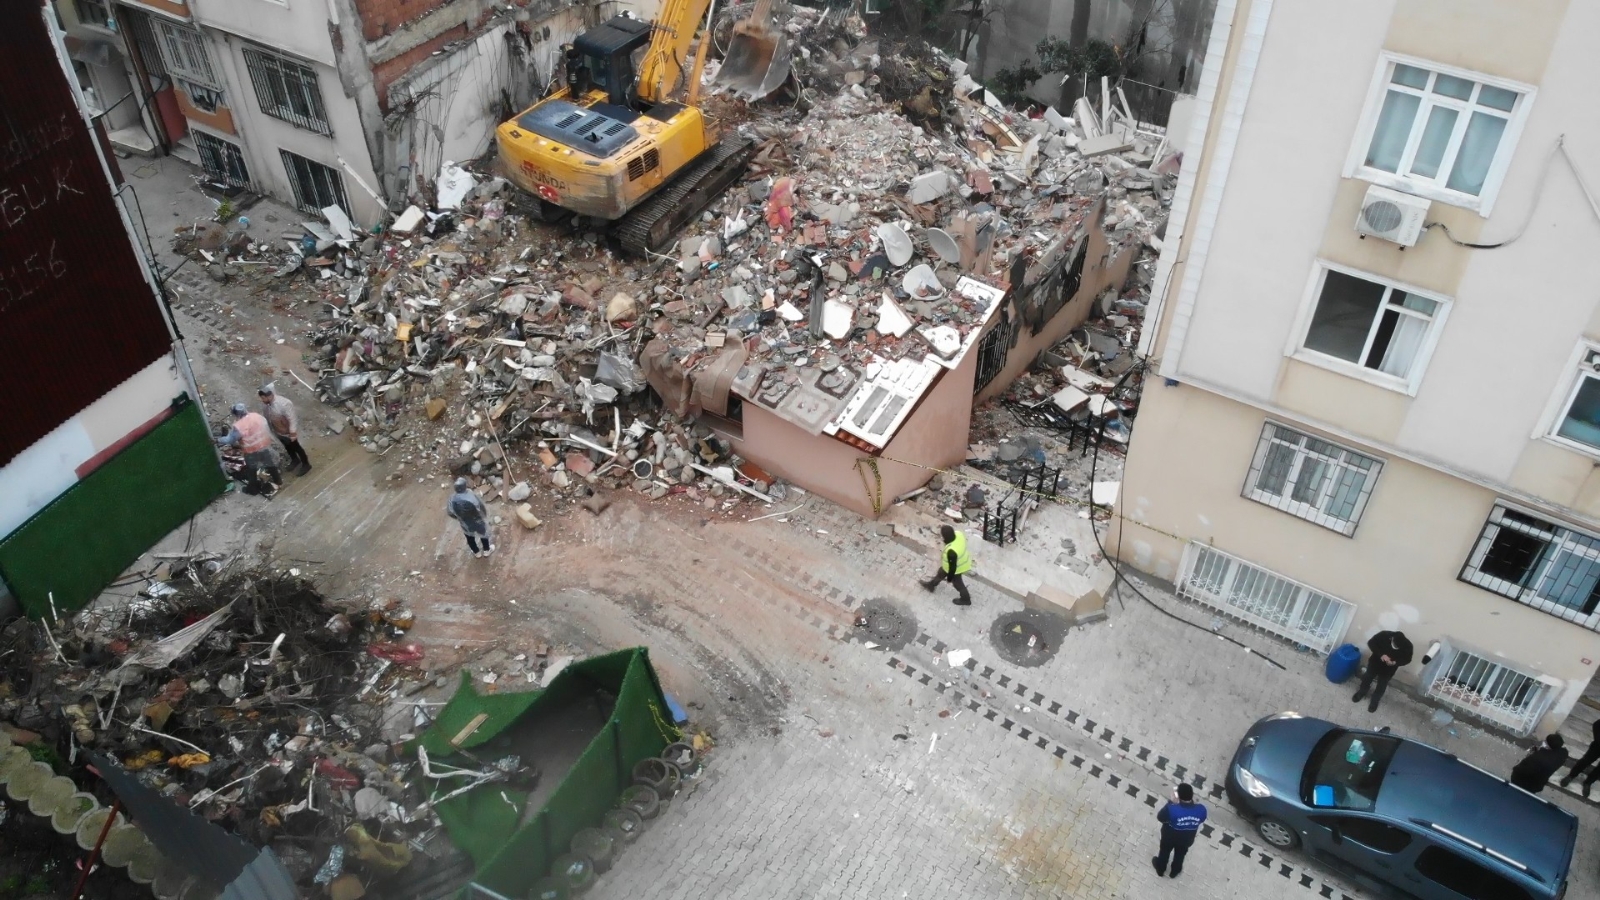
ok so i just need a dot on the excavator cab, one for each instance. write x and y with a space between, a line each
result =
607 57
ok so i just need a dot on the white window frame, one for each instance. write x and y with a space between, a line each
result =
1408 385
191 88
109 24
1483 203
1263 599
178 43
1311 512
1519 721
1555 412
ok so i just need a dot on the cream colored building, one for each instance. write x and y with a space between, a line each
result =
1374 341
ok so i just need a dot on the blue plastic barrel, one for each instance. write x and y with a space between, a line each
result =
1343 663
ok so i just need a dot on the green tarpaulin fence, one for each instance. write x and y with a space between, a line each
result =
484 822
89 535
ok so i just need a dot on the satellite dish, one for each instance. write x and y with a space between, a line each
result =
943 244
896 243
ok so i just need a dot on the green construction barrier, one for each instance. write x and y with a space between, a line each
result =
89 535
484 822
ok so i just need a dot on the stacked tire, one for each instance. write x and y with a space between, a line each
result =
594 850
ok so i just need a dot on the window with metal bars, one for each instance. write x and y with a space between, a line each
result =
287 90
183 49
145 42
316 186
1550 567
1490 690
1263 599
94 12
222 160
994 349
1311 478
202 98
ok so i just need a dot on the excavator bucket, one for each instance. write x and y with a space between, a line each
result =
758 58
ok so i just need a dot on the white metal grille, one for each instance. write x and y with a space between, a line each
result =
1488 690
183 50
1311 478
1262 599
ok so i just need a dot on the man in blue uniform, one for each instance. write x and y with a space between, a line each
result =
1180 821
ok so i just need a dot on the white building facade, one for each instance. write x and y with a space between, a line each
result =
1374 388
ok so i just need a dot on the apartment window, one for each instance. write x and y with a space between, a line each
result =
1385 332
1311 478
201 97
1493 691
221 159
145 42
1443 133
316 186
1262 599
1536 562
287 90
183 50
1579 417
94 12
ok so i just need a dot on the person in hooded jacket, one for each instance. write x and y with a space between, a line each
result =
467 507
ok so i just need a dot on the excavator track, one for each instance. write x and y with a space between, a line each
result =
648 227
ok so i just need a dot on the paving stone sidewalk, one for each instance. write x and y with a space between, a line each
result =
1155 693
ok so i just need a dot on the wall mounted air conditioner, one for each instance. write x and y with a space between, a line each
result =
1392 216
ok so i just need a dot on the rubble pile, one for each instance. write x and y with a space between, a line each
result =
244 696
878 224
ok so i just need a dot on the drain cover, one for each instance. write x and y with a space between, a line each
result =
1027 638
884 622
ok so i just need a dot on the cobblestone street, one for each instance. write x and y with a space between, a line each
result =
842 769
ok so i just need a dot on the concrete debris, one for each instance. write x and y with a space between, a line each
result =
888 179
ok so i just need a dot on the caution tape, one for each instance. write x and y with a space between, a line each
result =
874 493
670 733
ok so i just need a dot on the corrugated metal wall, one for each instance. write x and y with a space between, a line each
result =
77 317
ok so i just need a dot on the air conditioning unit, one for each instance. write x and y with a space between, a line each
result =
1392 216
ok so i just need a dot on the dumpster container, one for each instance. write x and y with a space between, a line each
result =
1343 663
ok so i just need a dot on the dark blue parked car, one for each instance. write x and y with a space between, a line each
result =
1396 814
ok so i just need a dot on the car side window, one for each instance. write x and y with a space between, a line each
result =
1467 878
1379 836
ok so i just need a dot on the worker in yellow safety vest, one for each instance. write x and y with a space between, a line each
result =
954 562
253 436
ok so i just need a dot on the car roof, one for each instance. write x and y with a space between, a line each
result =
1425 785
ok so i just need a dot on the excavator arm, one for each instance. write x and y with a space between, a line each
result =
663 71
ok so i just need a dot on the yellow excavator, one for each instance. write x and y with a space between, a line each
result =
613 144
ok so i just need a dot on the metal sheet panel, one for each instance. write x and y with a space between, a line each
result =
77 316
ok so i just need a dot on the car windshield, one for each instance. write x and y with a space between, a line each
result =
1346 770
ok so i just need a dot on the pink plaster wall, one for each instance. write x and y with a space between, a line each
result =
935 434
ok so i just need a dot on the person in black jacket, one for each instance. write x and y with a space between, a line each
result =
1589 756
1534 772
1390 651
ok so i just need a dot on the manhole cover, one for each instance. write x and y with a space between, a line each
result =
1027 638
884 622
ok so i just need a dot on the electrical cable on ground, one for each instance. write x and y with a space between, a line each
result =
1116 569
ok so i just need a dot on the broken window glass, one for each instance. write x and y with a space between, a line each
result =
1370 324
1526 558
1439 129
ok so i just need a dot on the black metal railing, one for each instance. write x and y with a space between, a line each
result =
287 90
